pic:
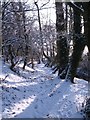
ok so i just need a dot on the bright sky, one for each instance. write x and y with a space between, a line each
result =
45 14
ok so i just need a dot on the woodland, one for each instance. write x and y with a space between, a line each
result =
30 39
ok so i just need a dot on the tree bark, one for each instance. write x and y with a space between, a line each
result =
62 47
86 7
78 46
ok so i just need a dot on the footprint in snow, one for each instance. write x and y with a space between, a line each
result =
13 113
36 106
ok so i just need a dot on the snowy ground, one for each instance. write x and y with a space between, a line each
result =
37 93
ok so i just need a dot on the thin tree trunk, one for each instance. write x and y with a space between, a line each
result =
53 52
11 57
41 37
32 62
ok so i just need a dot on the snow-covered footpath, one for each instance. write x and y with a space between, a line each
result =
37 93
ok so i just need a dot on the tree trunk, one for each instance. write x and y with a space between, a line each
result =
11 57
62 47
41 37
78 46
86 6
32 62
26 55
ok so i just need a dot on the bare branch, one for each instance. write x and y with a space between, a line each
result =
75 7
4 6
45 4
31 9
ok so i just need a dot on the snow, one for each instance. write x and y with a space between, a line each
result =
37 93
85 50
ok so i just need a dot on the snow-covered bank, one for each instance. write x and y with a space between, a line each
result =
40 94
